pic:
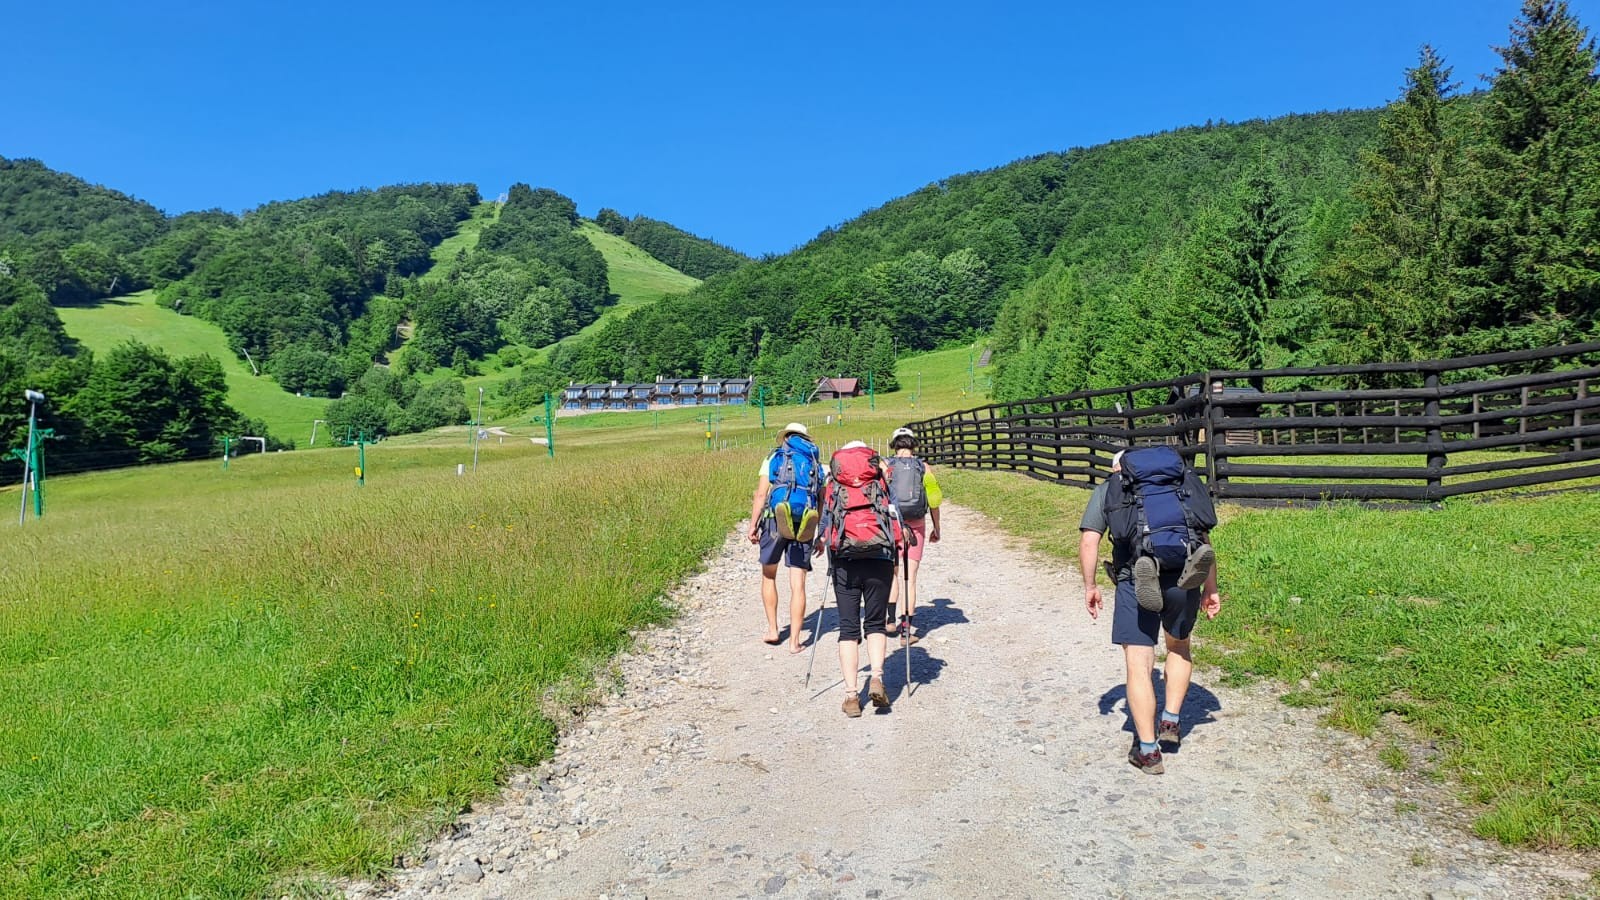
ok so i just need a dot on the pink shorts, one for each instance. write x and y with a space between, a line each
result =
919 527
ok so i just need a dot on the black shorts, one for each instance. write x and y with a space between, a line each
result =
1132 624
775 547
861 588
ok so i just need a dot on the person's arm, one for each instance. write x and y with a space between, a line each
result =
758 502
1211 601
930 486
1089 565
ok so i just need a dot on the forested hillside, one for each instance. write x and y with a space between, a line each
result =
935 267
1447 223
1470 225
688 253
76 241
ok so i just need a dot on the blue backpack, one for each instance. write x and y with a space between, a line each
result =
1158 507
796 477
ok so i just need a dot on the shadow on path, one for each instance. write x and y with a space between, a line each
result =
1198 706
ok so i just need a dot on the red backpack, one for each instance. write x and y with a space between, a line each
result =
862 524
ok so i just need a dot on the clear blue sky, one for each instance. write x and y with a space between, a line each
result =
745 122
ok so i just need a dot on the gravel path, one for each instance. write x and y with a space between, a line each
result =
711 771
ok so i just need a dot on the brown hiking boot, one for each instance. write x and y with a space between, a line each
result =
877 694
1148 763
852 706
1167 732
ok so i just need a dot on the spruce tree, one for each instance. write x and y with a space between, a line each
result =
1390 277
1531 271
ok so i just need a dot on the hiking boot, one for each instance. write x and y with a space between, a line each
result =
876 693
852 706
1147 584
1197 567
1148 763
1167 732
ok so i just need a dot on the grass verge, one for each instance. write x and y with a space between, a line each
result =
1474 623
212 683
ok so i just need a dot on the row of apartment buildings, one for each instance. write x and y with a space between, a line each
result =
663 393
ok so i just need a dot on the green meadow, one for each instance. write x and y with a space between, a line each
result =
234 682
213 682
136 316
1471 627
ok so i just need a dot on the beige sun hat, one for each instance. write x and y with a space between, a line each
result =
902 432
794 428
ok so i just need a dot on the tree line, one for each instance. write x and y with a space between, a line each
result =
1469 225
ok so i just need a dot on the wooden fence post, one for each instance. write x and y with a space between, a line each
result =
1436 455
1577 414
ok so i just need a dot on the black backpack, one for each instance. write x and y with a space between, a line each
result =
905 486
1156 506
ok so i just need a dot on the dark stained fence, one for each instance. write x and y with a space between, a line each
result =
1417 431
1068 438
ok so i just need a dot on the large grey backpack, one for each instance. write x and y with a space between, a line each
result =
905 487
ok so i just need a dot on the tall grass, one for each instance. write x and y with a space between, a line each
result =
210 682
1475 625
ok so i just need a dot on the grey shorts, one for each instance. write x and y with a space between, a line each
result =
774 547
1131 624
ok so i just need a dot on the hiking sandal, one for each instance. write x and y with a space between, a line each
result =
1147 585
852 706
1197 567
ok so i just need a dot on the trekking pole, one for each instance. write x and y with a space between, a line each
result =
816 636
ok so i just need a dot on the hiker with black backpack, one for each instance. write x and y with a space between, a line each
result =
784 515
1159 516
917 496
863 535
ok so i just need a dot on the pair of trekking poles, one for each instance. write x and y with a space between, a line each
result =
905 598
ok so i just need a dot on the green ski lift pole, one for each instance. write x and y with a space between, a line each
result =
872 398
225 440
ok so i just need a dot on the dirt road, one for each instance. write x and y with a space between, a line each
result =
710 771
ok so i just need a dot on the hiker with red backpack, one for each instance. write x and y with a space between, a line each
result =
863 535
917 496
1159 516
784 515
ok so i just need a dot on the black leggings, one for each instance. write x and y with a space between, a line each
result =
858 579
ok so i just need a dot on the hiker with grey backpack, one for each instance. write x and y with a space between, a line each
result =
917 497
1159 516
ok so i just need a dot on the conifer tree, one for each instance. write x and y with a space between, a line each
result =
1532 255
1390 278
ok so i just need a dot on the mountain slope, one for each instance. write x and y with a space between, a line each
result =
136 316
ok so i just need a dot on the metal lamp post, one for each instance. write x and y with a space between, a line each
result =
30 458
477 427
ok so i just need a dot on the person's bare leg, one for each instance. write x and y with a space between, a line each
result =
877 651
893 626
797 607
1141 690
769 599
911 588
850 666
1180 668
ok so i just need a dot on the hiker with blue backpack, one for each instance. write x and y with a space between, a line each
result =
784 515
917 497
1159 516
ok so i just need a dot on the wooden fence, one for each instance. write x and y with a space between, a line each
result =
1417 431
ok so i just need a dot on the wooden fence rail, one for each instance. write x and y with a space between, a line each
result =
1300 434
